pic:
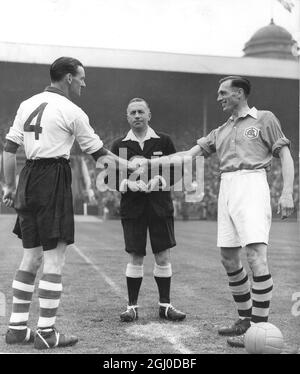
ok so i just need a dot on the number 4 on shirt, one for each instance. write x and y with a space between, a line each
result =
37 129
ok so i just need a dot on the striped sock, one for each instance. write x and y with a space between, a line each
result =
240 287
23 287
162 276
134 277
50 288
261 296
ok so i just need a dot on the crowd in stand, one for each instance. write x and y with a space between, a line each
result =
207 208
108 202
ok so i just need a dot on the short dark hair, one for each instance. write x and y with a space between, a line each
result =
63 66
138 100
239 82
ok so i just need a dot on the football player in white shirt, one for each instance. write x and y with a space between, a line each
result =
47 125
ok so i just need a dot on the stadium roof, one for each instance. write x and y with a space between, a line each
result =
144 60
272 41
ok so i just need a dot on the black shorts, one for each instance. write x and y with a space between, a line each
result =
161 232
44 204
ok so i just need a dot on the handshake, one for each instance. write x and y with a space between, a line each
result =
155 184
138 165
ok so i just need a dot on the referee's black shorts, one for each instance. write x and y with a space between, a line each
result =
44 204
161 232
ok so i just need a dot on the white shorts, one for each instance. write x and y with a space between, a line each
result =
244 208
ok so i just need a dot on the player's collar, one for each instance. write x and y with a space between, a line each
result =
56 90
251 112
149 134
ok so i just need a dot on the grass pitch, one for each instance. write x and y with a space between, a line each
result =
95 293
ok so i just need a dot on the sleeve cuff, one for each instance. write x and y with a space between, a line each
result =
282 142
11 146
14 137
204 146
95 147
101 152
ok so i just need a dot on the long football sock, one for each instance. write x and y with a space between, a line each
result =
162 276
23 287
50 288
240 288
134 277
261 296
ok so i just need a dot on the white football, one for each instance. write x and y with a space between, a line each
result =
264 338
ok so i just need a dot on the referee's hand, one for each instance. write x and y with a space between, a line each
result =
285 205
8 196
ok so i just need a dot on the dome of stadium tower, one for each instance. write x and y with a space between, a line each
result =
271 41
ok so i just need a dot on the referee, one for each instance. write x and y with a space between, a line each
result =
146 205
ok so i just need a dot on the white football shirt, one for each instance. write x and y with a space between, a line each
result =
47 125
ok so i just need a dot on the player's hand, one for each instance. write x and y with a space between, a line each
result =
144 162
132 166
155 183
285 205
143 187
91 196
132 186
141 164
9 196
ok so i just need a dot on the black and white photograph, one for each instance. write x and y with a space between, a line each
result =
149 180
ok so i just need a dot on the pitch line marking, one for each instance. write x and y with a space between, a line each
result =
151 331
107 279
172 333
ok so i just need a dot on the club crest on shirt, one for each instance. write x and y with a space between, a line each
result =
251 132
